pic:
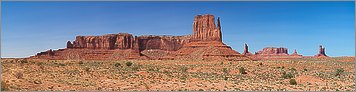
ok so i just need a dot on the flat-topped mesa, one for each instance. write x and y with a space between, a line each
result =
204 43
204 28
273 51
167 43
110 41
321 52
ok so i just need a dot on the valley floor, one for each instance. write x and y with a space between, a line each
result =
334 74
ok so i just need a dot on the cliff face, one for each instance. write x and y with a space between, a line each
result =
273 51
111 41
204 28
168 43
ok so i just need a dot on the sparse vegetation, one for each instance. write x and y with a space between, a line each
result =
292 82
117 65
81 62
339 71
23 61
128 63
287 75
175 75
4 86
226 71
242 70
18 75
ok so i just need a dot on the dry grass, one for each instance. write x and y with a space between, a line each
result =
167 75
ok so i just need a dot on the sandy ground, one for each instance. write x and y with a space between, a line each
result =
165 75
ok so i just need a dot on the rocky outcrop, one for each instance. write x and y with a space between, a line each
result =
295 53
111 41
246 52
273 51
69 44
168 43
321 52
204 28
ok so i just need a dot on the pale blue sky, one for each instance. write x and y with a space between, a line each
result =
31 27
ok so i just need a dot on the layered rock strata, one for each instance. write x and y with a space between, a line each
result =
204 43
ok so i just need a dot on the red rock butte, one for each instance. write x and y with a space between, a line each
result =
205 43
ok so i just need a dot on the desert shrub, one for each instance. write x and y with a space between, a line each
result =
128 63
305 69
292 82
287 75
87 69
293 69
225 70
117 65
201 90
81 62
39 63
339 71
260 64
184 69
151 69
242 70
226 78
4 86
59 64
230 63
23 61
18 75
135 68
221 63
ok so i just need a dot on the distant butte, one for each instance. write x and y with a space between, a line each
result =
205 43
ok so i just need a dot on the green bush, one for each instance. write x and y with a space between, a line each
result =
135 68
242 70
184 69
4 86
23 61
292 82
226 78
339 71
287 76
128 63
117 65
225 70
81 62
293 69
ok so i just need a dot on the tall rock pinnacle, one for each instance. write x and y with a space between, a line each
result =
204 28
321 52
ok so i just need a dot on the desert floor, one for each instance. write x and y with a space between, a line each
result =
311 74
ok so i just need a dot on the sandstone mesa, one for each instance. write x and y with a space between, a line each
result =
205 43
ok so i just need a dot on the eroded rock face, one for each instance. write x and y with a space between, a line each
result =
246 52
295 53
204 28
111 41
321 52
273 51
169 43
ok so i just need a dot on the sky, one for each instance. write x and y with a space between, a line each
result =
31 27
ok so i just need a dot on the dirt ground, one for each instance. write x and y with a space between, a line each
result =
312 74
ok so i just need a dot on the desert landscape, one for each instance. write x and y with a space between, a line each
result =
334 74
200 61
